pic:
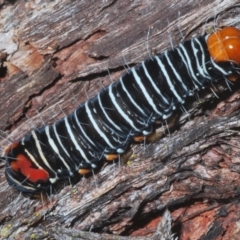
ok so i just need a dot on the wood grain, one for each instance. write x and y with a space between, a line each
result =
56 54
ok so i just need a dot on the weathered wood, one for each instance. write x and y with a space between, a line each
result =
60 53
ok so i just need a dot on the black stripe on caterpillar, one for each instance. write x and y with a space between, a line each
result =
104 127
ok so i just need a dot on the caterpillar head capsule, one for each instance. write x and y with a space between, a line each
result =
224 45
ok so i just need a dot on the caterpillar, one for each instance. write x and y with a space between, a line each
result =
104 127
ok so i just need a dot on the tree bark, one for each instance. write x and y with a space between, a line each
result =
55 55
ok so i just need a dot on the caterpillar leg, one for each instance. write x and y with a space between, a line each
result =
111 157
83 171
124 157
139 139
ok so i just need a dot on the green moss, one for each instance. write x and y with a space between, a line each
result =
33 236
6 231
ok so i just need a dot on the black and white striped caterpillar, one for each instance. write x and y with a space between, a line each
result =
105 126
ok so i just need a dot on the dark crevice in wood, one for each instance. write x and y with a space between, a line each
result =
95 35
3 72
27 105
101 74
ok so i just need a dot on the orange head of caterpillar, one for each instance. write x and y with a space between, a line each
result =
224 45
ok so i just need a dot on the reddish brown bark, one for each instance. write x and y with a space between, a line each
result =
61 52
